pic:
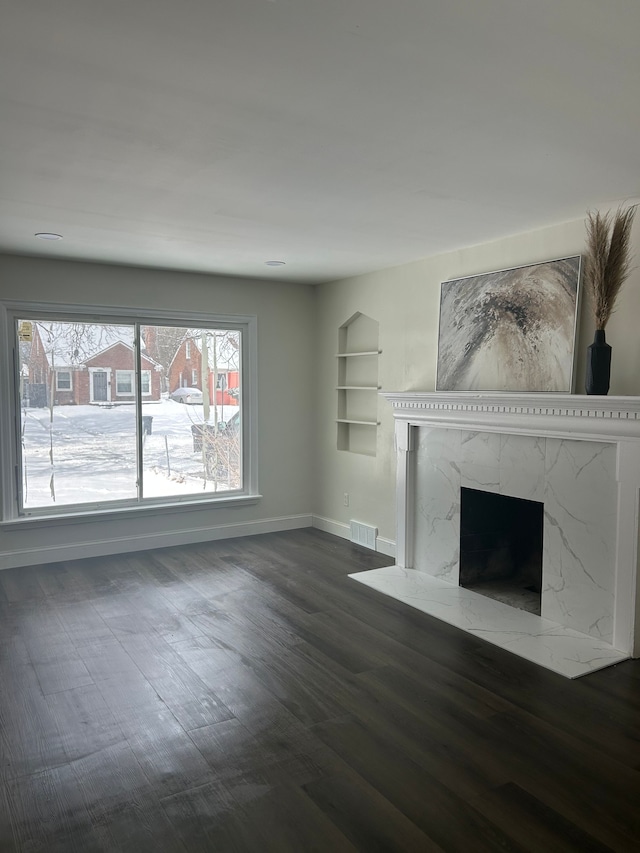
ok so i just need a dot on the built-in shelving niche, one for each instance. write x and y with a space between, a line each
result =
357 387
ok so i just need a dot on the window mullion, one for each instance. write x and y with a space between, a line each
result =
138 397
17 379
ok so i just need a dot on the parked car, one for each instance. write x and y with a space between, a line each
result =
191 396
232 425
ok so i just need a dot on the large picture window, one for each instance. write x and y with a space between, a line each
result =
135 430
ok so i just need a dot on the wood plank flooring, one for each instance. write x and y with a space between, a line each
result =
245 695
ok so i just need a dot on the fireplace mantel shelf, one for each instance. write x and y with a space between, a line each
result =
514 400
568 415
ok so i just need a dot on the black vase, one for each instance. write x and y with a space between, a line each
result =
598 365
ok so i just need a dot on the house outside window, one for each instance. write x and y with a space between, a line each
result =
63 380
101 457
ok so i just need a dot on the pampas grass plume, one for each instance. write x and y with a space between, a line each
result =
607 264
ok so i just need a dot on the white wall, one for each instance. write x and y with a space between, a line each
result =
405 301
285 400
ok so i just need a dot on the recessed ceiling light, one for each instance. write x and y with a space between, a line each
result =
275 263
46 235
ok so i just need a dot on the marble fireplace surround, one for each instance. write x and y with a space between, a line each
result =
578 455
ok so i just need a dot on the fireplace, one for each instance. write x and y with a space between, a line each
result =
501 548
578 459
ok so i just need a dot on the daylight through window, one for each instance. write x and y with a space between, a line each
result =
127 412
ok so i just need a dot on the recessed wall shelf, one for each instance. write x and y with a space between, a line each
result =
358 386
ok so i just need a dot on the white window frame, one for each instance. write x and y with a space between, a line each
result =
187 351
130 393
67 370
194 378
10 447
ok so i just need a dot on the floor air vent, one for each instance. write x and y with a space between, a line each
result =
364 534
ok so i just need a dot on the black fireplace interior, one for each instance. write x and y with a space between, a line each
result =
501 548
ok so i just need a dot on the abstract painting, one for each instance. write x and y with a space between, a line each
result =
512 330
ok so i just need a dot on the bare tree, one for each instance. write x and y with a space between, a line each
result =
161 343
70 343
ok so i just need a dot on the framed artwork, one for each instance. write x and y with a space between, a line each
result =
511 330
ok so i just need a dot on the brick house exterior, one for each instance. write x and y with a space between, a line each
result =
108 376
112 370
35 371
185 370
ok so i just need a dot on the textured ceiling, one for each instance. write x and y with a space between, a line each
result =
340 136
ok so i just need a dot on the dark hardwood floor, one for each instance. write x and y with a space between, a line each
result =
246 695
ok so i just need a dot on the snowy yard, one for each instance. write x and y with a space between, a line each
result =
94 454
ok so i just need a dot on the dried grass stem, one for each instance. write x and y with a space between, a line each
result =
607 264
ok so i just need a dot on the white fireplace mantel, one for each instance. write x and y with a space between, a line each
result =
560 415
614 421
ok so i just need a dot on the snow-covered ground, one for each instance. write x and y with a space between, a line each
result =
94 453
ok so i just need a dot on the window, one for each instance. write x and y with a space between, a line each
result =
63 380
115 449
187 350
124 382
194 377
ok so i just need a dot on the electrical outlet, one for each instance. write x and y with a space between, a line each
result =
346 499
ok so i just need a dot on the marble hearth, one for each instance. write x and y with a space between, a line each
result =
578 456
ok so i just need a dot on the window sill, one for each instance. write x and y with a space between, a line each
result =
113 513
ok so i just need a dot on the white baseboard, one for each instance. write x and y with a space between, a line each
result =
143 542
331 526
338 528
386 546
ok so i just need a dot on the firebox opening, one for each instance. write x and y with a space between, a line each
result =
501 548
